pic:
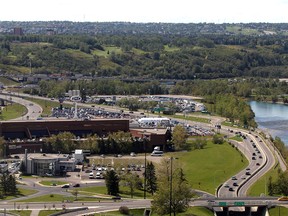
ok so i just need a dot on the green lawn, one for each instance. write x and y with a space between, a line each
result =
47 212
260 187
191 118
107 51
205 169
59 198
51 182
193 211
22 192
49 198
21 212
46 105
237 138
12 111
278 211
124 192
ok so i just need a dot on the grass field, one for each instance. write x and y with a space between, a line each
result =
191 118
22 192
260 187
278 211
47 105
12 111
21 212
205 169
49 183
49 198
124 192
47 212
107 51
193 211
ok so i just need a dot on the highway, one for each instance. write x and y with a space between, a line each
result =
263 153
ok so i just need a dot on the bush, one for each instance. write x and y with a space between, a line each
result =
124 210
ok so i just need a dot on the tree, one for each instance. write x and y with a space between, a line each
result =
62 142
112 182
218 139
181 190
75 193
281 186
91 143
270 186
151 179
133 181
199 143
3 148
179 137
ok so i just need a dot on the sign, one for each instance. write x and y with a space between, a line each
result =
239 203
222 204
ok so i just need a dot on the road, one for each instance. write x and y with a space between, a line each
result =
34 110
253 144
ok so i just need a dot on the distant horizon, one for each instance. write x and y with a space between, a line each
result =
148 11
142 22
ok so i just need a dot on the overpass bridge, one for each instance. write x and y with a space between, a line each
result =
248 206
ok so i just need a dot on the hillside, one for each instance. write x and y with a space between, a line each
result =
147 56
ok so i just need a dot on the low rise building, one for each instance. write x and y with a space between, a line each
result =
48 164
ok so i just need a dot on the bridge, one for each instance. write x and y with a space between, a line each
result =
247 206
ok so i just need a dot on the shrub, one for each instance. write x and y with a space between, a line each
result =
124 210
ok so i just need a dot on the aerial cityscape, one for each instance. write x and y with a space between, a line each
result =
154 108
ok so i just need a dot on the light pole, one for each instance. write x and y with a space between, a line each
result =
171 184
144 143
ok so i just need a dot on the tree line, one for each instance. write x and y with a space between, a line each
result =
152 56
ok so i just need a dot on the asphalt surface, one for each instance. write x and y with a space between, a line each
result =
264 147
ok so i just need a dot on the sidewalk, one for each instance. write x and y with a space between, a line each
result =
35 212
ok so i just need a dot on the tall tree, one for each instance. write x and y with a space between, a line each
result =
112 182
179 137
174 190
3 148
151 179
133 181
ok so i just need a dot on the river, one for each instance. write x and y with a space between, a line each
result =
272 118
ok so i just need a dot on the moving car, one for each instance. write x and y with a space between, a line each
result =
65 186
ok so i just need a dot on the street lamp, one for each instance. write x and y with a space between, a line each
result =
145 161
171 183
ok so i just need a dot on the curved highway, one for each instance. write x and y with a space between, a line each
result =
259 152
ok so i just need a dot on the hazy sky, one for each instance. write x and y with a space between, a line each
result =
176 11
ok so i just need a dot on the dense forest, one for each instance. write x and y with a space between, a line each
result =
146 56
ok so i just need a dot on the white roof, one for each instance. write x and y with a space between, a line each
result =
78 151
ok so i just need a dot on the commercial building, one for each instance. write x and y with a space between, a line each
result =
48 164
149 138
11 130
21 135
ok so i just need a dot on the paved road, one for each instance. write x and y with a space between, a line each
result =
266 163
34 110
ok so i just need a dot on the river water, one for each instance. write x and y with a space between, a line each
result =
272 118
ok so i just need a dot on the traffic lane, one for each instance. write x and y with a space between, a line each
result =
247 149
33 109
267 155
